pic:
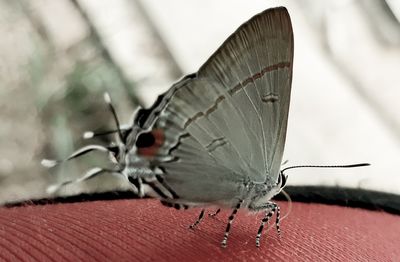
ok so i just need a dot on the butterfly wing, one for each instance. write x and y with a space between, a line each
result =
254 67
228 121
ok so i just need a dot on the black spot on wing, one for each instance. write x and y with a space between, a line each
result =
145 140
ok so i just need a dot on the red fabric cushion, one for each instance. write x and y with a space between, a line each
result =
140 230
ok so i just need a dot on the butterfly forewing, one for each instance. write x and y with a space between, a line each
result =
227 123
254 66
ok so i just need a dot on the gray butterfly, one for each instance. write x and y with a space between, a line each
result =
216 137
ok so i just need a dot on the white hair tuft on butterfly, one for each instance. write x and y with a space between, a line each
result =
216 137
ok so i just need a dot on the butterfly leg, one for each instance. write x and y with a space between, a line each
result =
278 220
201 216
136 184
215 213
271 208
230 221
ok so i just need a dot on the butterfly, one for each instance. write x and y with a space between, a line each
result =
216 137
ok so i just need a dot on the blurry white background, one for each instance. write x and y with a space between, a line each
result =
344 106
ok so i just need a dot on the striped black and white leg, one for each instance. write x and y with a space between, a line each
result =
278 220
269 213
199 219
215 213
230 221
166 186
136 184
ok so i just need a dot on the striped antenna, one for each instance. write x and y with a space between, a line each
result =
91 134
91 173
327 166
49 163
107 99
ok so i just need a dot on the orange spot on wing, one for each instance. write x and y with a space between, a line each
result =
152 150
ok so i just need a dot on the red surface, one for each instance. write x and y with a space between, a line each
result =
143 230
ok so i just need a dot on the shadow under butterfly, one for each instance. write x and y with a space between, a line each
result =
216 137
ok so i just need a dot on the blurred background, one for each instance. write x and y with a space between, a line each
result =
57 58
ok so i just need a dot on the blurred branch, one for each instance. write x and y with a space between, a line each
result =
134 99
36 23
175 70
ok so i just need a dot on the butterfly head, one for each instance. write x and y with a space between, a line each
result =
264 192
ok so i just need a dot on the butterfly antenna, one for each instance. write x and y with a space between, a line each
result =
49 163
91 173
107 99
327 166
287 196
91 134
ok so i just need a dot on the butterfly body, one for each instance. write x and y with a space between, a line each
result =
216 137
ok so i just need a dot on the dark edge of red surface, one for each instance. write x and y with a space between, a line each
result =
372 200
367 199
